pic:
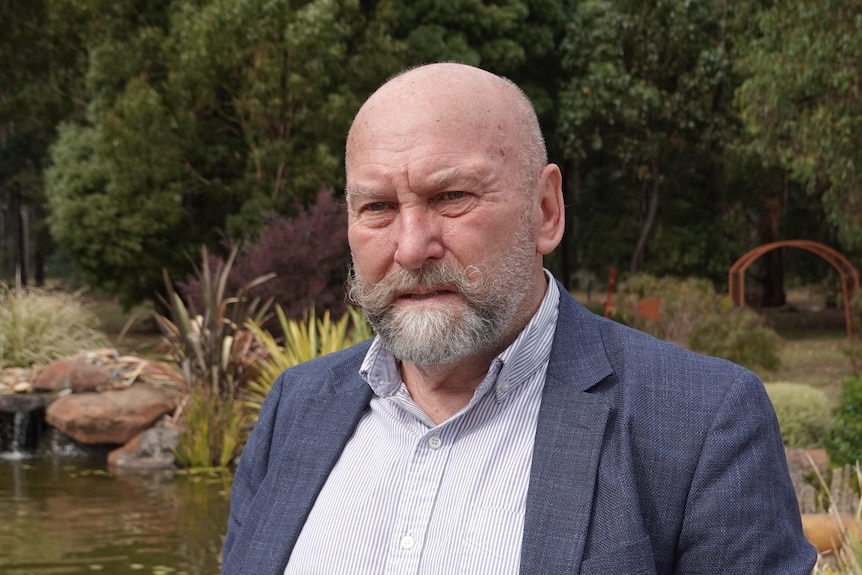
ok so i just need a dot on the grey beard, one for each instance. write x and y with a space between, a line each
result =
438 336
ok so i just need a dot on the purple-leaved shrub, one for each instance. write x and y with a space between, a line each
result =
308 253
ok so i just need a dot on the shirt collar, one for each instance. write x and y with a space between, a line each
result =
529 352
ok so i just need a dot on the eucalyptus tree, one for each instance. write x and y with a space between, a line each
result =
643 117
802 103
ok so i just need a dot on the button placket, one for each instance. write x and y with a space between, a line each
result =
417 504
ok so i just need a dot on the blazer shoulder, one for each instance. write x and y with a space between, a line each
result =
333 372
621 354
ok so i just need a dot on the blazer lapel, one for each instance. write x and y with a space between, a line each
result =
311 446
568 445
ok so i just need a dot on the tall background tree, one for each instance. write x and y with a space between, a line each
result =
802 104
643 114
202 116
41 72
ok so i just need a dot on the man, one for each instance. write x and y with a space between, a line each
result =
494 426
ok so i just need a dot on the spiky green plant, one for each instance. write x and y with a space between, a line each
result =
212 345
213 432
304 340
217 355
38 326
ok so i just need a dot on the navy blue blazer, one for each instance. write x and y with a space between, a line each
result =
648 459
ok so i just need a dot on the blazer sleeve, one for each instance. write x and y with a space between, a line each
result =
742 515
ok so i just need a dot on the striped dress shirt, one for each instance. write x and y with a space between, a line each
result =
408 497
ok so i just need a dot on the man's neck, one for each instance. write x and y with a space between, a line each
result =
441 391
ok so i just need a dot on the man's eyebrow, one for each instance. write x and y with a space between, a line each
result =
448 177
361 191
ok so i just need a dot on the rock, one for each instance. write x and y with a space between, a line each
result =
113 417
151 449
22 387
13 376
79 376
24 402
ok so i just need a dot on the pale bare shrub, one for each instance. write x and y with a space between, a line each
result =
38 326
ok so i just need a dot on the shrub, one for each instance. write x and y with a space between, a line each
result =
845 444
737 334
694 316
38 326
307 253
804 413
684 304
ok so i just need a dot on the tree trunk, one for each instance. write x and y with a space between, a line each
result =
654 195
20 230
769 231
39 245
569 256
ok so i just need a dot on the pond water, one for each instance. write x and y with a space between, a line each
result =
63 515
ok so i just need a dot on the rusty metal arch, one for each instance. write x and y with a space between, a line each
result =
849 274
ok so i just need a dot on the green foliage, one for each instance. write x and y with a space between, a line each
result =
804 413
202 116
694 316
213 432
303 340
845 445
40 78
216 353
802 105
38 326
684 304
737 334
644 82
180 123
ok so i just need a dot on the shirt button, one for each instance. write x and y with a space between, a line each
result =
407 542
434 442
504 386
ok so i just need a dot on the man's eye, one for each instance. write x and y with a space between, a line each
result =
376 206
455 195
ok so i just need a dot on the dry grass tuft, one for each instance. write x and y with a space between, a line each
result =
38 326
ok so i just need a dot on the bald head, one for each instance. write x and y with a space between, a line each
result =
458 95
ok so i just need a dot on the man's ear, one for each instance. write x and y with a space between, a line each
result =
551 214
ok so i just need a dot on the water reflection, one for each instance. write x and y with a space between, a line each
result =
68 516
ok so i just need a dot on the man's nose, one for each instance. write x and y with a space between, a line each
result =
418 235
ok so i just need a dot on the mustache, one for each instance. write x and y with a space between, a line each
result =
377 298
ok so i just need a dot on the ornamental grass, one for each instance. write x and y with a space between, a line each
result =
38 326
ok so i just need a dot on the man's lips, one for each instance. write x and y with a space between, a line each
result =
425 295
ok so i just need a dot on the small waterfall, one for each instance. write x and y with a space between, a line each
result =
16 435
20 423
20 433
